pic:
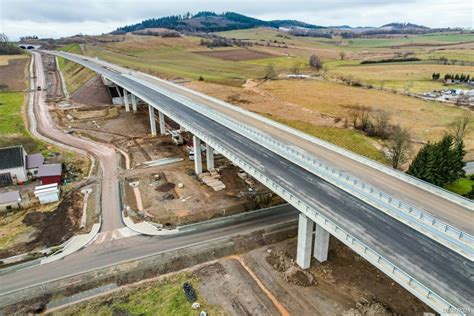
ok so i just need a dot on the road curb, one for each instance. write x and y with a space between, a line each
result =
146 228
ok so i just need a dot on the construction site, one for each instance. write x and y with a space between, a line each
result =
158 181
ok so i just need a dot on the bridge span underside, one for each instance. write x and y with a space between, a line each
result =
438 268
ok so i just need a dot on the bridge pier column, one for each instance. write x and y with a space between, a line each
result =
305 234
182 129
151 112
209 157
125 100
197 155
134 103
321 244
118 92
161 119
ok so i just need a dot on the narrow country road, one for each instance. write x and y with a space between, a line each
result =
43 126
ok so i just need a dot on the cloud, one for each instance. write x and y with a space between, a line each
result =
53 18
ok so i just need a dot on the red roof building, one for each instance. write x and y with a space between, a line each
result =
50 173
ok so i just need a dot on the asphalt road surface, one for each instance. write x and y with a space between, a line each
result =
43 124
448 211
440 269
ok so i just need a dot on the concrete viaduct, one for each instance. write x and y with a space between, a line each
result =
419 235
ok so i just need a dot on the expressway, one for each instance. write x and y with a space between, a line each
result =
442 270
459 216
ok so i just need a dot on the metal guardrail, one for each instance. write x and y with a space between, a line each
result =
446 234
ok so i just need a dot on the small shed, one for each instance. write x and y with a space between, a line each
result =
10 200
47 193
50 173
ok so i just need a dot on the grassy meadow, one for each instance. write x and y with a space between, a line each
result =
184 57
163 297
74 74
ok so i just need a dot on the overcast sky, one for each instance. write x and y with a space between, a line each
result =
56 18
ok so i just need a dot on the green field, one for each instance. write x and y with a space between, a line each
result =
345 138
12 126
461 187
74 74
158 298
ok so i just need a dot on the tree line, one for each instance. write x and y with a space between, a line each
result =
457 77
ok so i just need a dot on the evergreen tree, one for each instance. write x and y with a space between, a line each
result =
419 167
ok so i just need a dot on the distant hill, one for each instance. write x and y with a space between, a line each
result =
404 26
207 21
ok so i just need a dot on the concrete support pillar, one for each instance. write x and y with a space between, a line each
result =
197 155
305 234
181 129
321 244
118 92
161 119
151 111
125 100
209 157
134 103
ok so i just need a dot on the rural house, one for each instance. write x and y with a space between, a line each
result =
50 173
12 165
9 200
33 162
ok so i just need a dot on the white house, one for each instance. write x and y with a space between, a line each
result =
9 200
12 165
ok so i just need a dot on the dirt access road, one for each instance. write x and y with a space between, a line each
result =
42 125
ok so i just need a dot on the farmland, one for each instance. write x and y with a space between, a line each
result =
231 67
12 124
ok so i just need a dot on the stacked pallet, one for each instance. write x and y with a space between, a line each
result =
211 179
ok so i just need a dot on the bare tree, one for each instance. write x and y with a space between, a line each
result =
315 62
342 54
399 146
381 122
270 72
296 68
460 126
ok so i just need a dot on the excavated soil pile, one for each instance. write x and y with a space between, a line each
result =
368 308
290 271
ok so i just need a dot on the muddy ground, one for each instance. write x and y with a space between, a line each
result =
266 281
167 203
13 75
50 228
